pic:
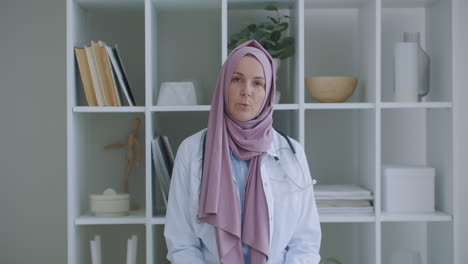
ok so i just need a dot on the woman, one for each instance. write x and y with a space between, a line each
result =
240 191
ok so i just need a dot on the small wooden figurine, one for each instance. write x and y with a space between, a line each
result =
133 147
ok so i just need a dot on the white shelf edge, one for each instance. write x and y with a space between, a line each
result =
122 4
286 107
186 108
339 105
179 108
399 105
436 216
347 218
137 217
158 220
109 109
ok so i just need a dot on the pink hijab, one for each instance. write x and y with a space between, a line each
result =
219 203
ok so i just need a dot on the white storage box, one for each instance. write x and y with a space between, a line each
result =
408 189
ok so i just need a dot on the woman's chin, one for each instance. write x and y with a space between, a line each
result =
243 116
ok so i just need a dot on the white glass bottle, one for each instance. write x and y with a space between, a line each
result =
423 63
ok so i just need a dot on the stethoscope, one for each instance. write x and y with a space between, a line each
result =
282 150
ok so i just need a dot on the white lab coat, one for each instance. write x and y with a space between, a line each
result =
295 233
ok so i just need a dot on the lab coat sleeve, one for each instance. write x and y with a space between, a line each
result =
304 246
182 244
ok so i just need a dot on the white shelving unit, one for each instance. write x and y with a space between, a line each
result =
175 40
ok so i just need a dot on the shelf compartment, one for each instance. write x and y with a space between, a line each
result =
159 247
433 20
134 217
163 124
287 122
340 40
352 243
108 109
172 60
97 169
113 242
240 14
436 216
430 240
340 146
421 137
120 23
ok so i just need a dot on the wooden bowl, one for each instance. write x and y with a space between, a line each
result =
331 89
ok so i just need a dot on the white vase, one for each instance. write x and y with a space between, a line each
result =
423 63
406 72
276 64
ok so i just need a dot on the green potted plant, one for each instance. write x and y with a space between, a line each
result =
268 34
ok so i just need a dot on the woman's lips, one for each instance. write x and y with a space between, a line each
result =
243 106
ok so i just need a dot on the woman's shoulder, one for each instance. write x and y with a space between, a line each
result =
192 144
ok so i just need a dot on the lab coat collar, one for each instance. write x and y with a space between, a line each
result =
277 143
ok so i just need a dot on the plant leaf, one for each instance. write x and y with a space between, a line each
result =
273 19
282 27
242 40
252 27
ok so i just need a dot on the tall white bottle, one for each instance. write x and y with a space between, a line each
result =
423 63
406 72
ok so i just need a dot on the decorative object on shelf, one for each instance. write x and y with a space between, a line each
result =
408 189
177 93
411 69
109 203
277 97
96 250
423 64
406 256
268 34
330 261
132 249
343 199
331 89
132 142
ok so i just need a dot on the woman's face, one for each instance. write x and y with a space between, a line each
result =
247 89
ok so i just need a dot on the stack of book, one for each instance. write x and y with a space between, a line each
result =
343 199
163 161
102 73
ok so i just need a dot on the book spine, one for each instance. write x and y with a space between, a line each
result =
95 76
103 74
110 76
86 78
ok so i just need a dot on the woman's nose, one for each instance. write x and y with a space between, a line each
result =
246 90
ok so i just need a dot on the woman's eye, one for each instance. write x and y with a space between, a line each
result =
235 79
259 84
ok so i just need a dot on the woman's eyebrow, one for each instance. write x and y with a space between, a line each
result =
257 77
